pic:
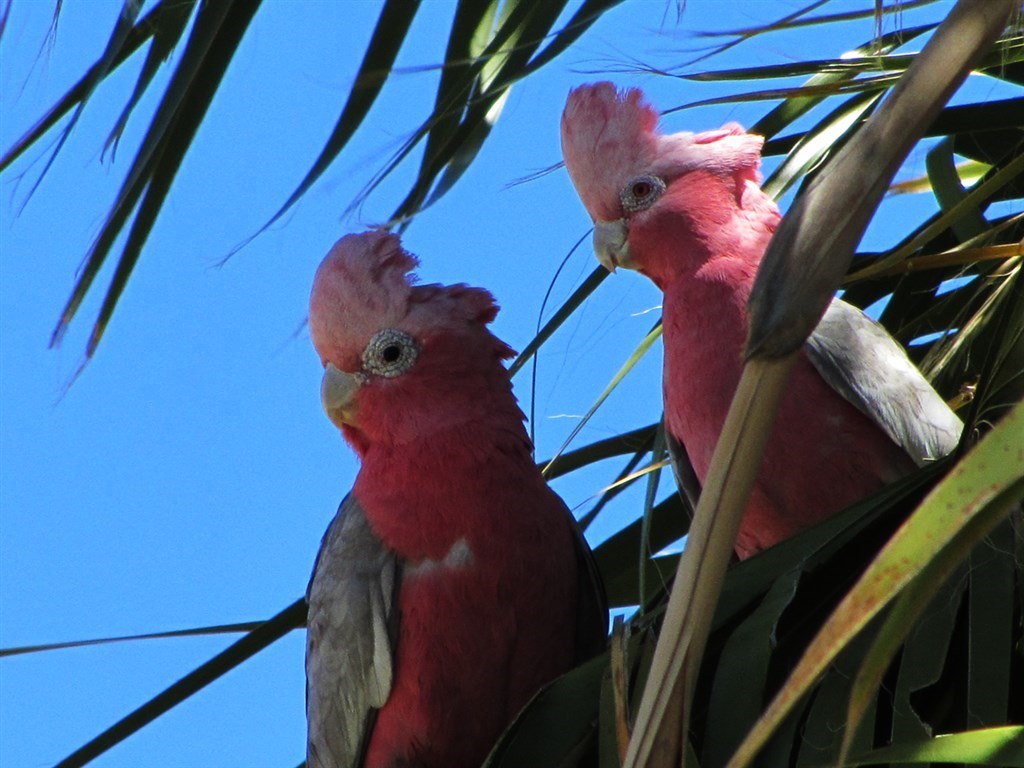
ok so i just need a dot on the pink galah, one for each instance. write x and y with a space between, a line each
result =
453 583
685 210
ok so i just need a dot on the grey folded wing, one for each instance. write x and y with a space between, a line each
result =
863 363
350 638
591 600
686 476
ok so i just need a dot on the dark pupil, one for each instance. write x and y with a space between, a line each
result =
641 189
391 353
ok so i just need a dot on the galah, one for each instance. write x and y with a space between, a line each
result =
453 583
685 209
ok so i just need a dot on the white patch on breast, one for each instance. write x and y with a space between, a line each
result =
459 555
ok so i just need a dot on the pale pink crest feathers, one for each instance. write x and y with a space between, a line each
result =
362 286
609 137
365 284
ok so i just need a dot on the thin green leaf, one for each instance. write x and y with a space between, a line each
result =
571 304
450 134
911 604
791 109
623 480
119 36
864 85
648 341
637 441
659 450
392 26
200 55
949 190
823 719
520 32
968 172
472 27
589 12
746 34
206 45
163 151
1002 366
963 119
992 299
817 144
217 629
292 617
748 579
870 58
970 202
795 22
166 37
616 556
469 147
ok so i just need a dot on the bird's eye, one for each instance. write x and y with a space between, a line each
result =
641 193
390 353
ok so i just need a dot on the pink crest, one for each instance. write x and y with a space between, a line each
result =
365 284
607 136
725 151
362 285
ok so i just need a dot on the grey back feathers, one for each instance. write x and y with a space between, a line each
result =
350 637
863 363
686 476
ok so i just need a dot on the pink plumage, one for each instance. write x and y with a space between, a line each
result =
686 211
449 588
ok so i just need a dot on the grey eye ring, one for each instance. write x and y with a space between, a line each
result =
641 193
390 353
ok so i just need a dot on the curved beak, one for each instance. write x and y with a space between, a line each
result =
337 394
611 244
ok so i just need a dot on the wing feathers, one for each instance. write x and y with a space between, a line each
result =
864 364
349 651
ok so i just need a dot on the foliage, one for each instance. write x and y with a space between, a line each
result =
938 660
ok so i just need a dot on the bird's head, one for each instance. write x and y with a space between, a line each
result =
628 174
401 360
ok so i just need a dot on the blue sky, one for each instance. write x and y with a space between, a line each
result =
186 477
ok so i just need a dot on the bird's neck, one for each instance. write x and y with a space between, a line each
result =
706 229
423 496
704 252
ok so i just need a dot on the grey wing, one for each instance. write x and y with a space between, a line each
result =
862 362
686 477
350 638
592 601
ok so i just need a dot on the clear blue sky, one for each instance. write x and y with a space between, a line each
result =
186 477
